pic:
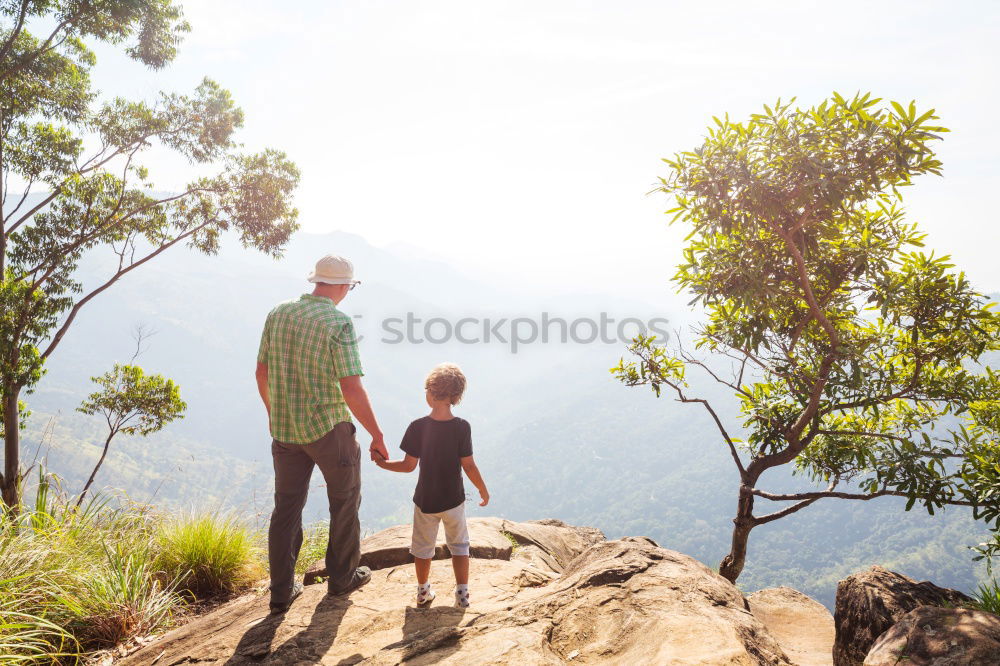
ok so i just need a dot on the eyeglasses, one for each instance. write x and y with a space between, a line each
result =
354 285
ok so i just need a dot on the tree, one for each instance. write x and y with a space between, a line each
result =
71 200
854 357
131 402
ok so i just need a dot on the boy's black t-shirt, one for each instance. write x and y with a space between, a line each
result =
440 445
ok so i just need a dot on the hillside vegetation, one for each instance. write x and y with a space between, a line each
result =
554 432
103 577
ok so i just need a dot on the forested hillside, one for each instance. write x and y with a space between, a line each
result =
555 434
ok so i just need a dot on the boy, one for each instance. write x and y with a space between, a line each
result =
442 444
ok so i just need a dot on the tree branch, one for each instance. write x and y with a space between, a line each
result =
824 369
98 230
19 24
842 495
718 422
83 301
46 46
791 509
27 216
693 361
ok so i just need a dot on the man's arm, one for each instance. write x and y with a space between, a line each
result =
406 465
262 386
469 465
357 401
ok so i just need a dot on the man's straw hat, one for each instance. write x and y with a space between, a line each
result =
333 269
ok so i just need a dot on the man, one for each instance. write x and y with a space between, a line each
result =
309 377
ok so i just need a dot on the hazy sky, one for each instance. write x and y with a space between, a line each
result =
520 138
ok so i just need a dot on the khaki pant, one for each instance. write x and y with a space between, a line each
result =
338 457
423 542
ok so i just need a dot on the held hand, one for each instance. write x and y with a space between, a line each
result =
485 497
378 449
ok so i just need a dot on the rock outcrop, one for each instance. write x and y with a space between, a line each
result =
562 595
552 542
802 626
928 636
870 602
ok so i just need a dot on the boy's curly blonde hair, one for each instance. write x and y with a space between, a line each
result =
446 382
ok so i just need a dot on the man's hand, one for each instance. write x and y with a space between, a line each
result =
378 450
484 495
357 401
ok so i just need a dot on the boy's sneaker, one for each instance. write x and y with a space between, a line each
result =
462 597
425 595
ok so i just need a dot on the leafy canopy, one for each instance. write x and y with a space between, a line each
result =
855 354
133 402
72 180
103 199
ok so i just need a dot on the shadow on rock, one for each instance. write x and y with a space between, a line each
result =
430 630
305 647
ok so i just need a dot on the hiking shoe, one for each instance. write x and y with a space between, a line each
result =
362 575
277 608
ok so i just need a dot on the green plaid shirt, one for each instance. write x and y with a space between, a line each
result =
307 345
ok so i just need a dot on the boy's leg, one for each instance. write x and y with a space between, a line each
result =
423 542
460 563
423 569
338 457
456 533
292 470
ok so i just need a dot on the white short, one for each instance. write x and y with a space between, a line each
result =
425 531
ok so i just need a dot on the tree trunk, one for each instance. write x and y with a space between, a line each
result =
732 564
10 485
93 474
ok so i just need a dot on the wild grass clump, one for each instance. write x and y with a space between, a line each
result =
26 638
315 538
124 598
987 597
208 553
75 581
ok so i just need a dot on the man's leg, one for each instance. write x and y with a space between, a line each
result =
339 459
292 470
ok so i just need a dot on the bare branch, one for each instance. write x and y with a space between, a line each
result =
842 495
761 520
27 216
693 361
718 422
134 264
743 367
85 238
140 333
701 364
24 196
